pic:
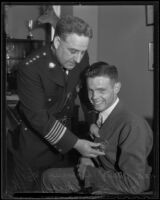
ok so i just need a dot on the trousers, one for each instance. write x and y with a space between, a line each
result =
66 180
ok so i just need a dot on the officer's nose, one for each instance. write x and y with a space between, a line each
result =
78 57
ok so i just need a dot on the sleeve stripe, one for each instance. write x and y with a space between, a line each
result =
53 129
62 133
56 132
55 124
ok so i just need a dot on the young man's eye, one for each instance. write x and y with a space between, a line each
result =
102 91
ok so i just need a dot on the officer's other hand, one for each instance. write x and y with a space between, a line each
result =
88 149
94 131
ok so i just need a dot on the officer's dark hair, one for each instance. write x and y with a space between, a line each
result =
102 69
71 24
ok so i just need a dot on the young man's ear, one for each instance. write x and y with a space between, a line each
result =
117 87
56 42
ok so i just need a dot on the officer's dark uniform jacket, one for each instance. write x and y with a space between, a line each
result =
46 97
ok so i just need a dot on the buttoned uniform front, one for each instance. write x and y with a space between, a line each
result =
43 91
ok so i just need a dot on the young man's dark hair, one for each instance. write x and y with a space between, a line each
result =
102 69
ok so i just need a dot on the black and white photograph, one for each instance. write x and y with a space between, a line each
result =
80 100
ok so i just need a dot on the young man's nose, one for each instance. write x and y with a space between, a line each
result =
94 95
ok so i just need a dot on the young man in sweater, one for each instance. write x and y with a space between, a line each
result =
126 140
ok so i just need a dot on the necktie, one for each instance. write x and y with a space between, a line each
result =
99 124
99 121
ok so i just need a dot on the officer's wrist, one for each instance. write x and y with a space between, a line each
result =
77 144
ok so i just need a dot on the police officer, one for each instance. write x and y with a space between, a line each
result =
47 82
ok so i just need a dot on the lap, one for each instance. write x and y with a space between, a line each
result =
59 172
60 180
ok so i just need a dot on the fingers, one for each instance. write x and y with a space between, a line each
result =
86 161
95 150
94 144
94 153
88 149
98 151
81 171
94 130
97 135
92 136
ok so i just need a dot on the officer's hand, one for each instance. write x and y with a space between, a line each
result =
94 131
81 167
88 149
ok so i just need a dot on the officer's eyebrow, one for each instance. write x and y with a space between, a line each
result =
73 50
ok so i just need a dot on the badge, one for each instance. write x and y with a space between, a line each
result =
51 65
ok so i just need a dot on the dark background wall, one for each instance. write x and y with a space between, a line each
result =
123 40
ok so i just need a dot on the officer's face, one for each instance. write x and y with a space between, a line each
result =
102 92
71 50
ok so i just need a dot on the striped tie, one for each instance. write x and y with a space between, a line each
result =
99 121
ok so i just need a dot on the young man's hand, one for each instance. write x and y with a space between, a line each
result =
83 163
94 131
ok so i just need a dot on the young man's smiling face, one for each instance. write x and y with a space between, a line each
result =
102 92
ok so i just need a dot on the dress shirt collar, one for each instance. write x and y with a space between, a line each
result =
104 114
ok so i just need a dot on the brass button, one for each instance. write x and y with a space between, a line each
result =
49 99
25 128
51 65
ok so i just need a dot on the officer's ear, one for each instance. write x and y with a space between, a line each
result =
56 42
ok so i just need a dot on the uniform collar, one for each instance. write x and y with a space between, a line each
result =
56 73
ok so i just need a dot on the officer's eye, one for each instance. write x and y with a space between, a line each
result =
73 51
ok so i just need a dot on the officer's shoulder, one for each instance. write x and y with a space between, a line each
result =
36 56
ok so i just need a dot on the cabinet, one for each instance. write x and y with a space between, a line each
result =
16 51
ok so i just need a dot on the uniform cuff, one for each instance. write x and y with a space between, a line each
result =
60 137
67 142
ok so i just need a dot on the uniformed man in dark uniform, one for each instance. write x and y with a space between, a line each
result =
47 87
